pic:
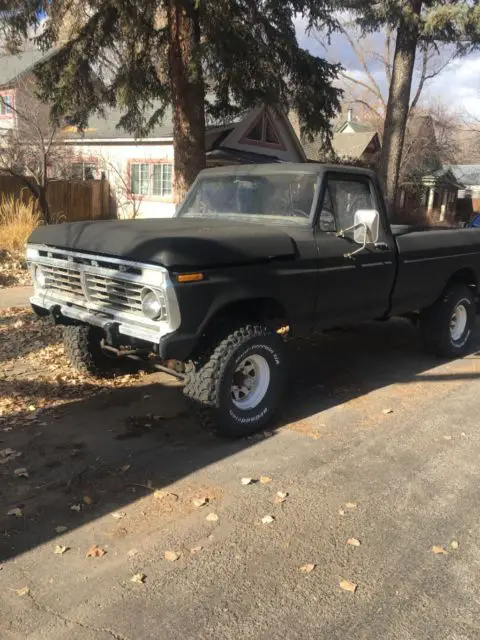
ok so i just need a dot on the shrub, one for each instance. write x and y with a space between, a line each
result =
18 218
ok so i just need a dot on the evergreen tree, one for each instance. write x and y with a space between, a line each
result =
139 54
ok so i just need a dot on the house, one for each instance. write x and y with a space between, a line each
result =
140 171
469 196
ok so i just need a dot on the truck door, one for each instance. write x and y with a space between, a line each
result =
350 289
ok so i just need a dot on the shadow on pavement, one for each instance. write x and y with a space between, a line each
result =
121 444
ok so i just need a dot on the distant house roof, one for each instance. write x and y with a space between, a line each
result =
443 176
15 66
468 174
354 145
358 127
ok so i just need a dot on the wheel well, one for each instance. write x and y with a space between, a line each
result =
266 310
465 276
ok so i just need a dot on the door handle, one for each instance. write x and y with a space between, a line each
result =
382 246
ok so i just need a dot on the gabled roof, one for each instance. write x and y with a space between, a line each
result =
358 127
353 145
468 174
443 176
15 66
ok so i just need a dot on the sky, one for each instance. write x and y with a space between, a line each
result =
458 86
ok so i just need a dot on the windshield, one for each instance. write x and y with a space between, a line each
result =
282 198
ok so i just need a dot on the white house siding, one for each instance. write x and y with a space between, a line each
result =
114 161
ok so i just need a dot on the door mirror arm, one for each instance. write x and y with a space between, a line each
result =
342 232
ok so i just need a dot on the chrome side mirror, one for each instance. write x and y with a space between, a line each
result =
366 227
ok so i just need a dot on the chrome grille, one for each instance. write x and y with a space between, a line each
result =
113 293
63 279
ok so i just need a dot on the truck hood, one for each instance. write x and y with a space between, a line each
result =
175 243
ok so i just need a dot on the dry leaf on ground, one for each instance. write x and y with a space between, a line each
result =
75 507
267 519
194 550
15 512
6 455
87 500
454 544
307 568
281 497
159 494
21 472
61 528
341 512
118 515
125 468
387 411
95 552
133 552
200 502
24 591
212 517
265 479
139 578
447 437
60 549
171 556
350 505
354 542
346 585
438 549
246 481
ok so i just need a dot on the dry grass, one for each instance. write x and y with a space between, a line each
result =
18 219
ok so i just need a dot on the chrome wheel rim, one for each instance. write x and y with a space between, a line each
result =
250 383
458 322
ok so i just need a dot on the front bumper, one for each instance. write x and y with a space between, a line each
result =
124 326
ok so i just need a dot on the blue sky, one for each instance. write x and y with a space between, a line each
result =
458 86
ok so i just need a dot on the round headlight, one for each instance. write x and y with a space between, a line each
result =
40 277
151 304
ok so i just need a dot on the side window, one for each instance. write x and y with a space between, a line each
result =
348 197
327 214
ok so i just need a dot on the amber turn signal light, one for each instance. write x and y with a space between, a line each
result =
190 277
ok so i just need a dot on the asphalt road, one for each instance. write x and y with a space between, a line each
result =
369 420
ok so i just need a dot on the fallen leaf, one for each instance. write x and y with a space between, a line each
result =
125 468
307 568
447 437
24 591
171 556
438 549
387 411
246 481
61 528
133 552
75 507
87 500
15 512
196 549
118 515
350 505
199 502
341 512
60 549
267 519
159 494
354 542
281 497
454 544
95 552
6 455
212 517
21 472
139 578
147 396
346 585
265 479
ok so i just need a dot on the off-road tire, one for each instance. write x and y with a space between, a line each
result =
82 344
435 322
209 379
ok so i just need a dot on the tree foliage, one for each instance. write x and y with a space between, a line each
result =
204 58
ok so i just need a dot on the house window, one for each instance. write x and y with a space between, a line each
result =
151 179
6 103
263 132
83 170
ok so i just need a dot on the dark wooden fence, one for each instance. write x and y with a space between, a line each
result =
68 199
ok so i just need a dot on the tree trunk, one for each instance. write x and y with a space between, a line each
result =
188 93
399 103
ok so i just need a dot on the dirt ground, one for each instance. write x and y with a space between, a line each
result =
116 465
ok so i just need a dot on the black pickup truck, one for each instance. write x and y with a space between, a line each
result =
255 254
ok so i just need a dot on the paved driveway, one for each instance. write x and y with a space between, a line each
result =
377 442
